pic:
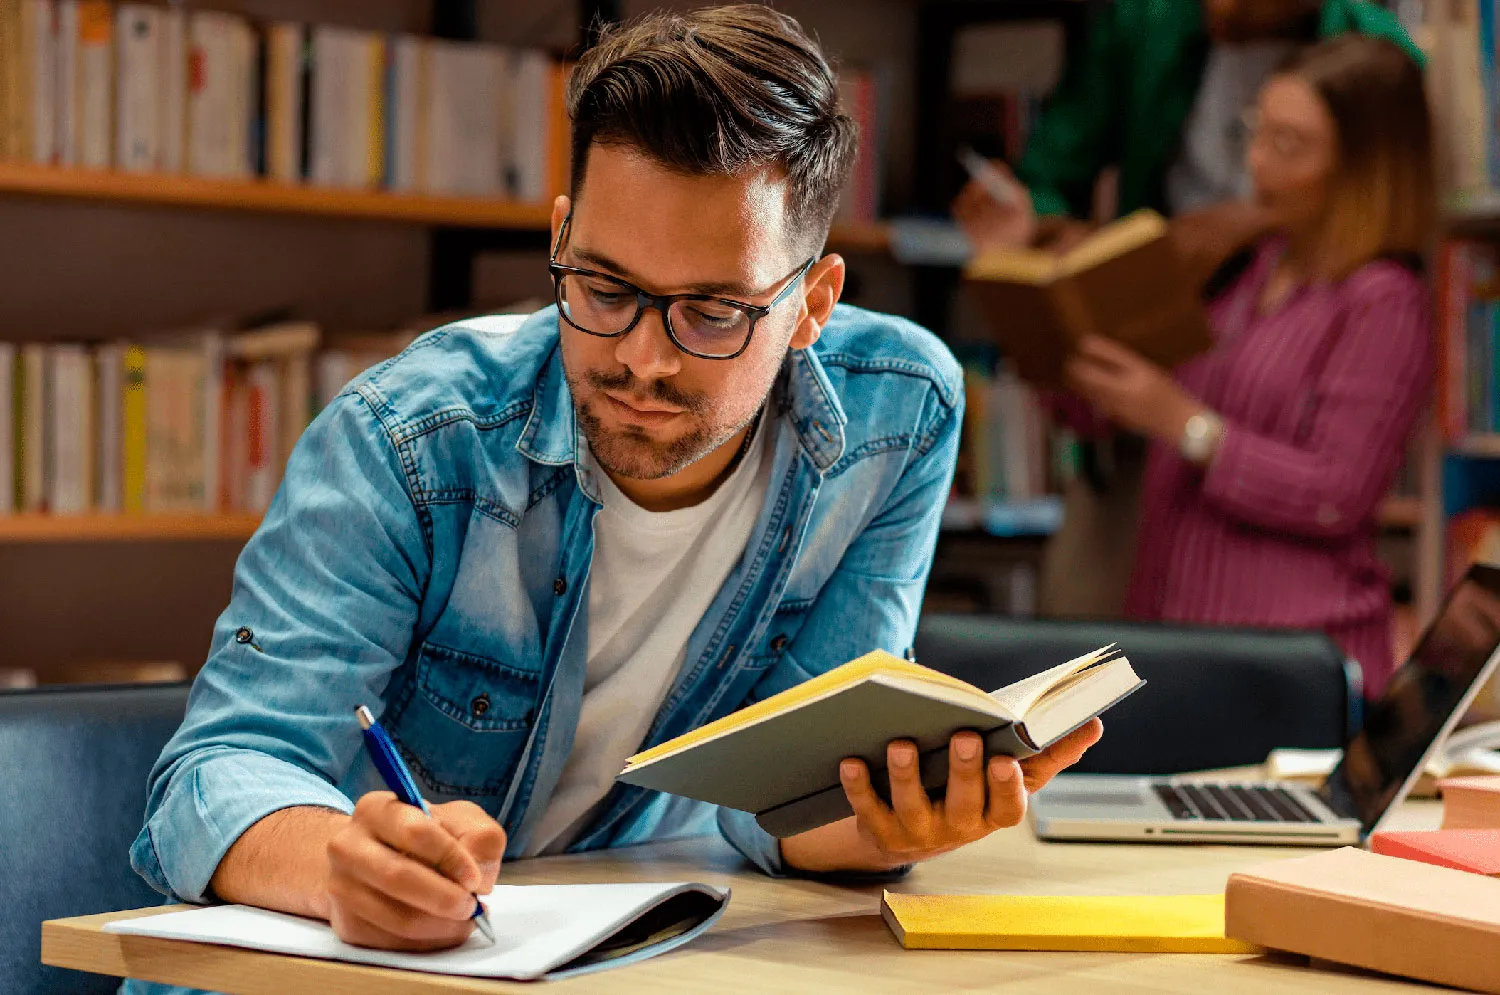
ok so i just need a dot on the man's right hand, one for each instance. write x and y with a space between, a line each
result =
401 881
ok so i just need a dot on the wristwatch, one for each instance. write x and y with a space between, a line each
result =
1200 437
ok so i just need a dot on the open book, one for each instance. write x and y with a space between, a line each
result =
541 931
779 758
1124 282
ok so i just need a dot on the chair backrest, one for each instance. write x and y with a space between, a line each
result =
75 763
1214 697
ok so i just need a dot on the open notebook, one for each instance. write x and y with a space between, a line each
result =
779 758
541 931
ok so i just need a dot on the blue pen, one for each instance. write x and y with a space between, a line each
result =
393 771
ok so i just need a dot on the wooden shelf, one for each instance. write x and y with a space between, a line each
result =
32 528
265 197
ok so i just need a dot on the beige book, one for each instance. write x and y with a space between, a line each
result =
1376 912
1471 802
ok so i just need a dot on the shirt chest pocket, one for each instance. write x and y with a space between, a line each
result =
466 723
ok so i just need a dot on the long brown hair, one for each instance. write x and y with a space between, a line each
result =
1382 195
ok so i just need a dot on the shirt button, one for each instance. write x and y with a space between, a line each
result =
560 586
778 644
480 705
243 635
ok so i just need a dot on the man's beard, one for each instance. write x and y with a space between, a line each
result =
630 451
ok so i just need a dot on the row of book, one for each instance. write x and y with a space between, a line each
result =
1468 333
1011 451
151 89
193 422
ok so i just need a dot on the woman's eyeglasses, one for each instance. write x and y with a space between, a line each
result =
700 325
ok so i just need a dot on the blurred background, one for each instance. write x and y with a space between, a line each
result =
212 215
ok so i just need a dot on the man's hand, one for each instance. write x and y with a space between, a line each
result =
980 798
1130 390
401 881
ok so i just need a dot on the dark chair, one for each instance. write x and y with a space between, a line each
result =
75 762
1214 697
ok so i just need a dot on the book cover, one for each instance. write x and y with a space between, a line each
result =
1158 924
1474 850
95 84
172 89
1123 283
137 128
1346 905
133 452
784 752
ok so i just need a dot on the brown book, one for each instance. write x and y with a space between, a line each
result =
1124 282
1471 802
1375 912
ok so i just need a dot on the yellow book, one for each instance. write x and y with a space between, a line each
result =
375 153
133 431
1157 924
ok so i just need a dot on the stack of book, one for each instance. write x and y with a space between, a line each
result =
151 89
194 422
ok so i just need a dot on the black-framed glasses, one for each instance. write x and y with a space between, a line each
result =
700 325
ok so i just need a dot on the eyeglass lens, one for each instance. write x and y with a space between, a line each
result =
604 307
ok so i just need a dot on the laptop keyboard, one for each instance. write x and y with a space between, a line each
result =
1232 803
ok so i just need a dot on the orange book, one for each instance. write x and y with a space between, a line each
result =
1381 913
1471 802
559 133
1474 850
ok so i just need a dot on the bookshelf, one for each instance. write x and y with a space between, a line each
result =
264 197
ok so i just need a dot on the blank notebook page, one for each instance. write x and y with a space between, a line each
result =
538 928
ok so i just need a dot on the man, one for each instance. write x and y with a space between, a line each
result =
1159 89
537 550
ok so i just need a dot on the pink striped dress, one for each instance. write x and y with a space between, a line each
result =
1318 399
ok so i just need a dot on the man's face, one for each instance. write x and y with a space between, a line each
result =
647 409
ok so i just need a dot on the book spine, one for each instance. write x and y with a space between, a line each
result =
109 363
172 76
10 79
7 428
31 460
40 22
558 155
67 82
137 130
296 397
373 94
133 430
254 91
212 430
263 401
283 106
95 78
324 116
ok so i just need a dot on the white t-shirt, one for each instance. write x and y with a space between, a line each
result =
654 574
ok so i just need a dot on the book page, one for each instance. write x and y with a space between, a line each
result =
538 928
1020 697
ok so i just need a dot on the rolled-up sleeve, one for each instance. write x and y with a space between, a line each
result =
1369 397
325 600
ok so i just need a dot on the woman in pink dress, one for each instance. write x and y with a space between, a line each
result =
1270 454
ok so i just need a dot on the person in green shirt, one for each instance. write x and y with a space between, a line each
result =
1158 90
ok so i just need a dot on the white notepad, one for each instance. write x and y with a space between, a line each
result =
541 931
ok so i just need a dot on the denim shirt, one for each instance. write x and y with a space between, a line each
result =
428 554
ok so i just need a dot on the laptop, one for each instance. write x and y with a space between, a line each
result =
1422 703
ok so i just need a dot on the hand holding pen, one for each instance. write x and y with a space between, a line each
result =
404 875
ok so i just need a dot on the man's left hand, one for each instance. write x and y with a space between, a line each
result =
980 798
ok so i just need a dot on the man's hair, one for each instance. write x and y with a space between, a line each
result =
714 92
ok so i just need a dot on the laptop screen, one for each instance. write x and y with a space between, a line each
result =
1421 698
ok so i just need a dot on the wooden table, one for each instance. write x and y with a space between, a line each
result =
801 936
